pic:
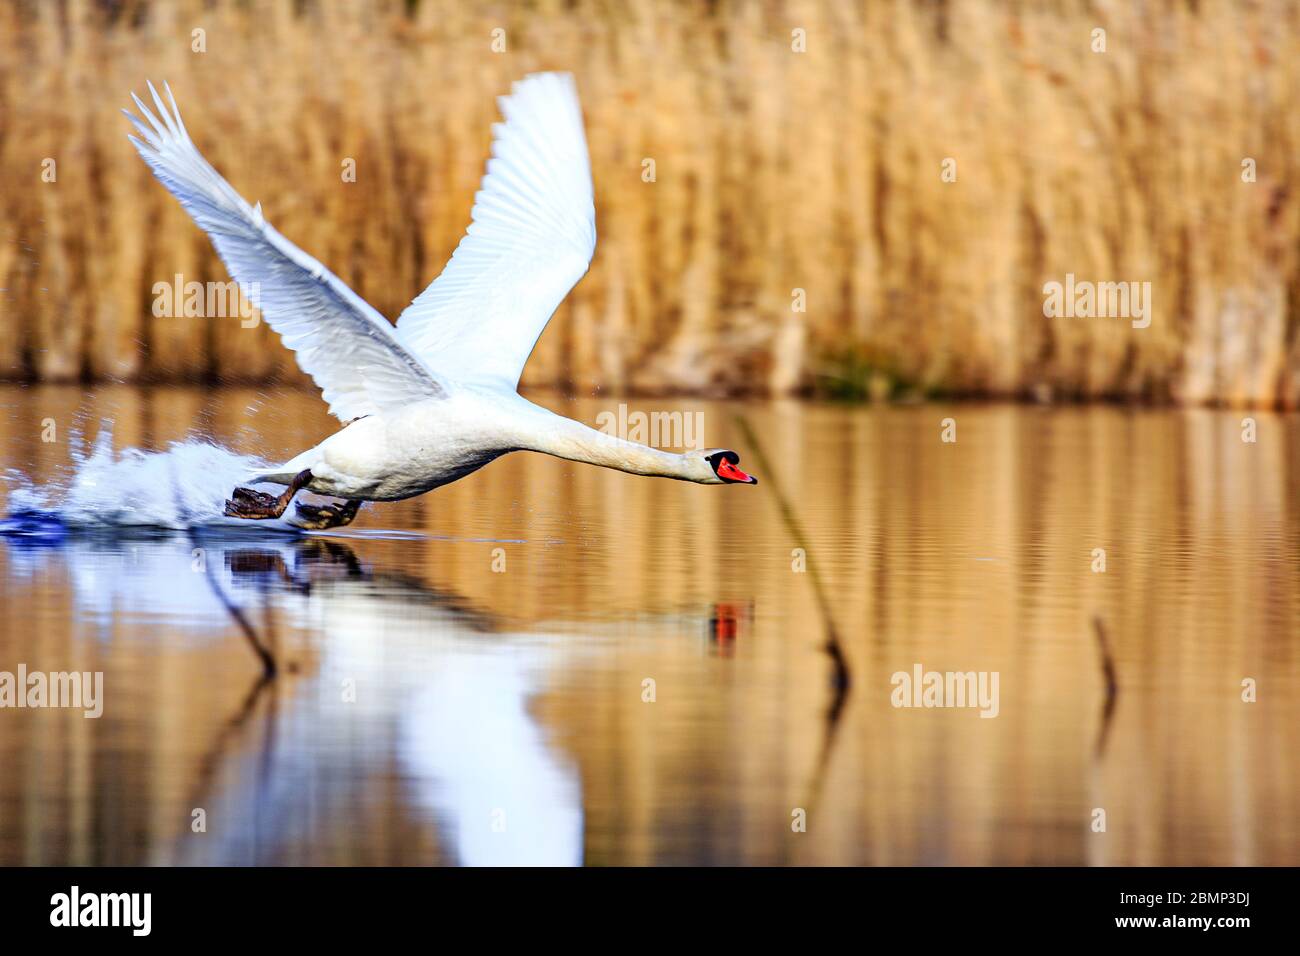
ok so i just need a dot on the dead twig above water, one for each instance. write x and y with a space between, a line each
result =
833 647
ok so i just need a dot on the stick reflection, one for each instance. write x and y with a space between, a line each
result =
466 750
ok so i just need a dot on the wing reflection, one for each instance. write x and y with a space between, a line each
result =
447 740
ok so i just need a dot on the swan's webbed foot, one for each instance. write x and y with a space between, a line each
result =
320 517
257 505
247 503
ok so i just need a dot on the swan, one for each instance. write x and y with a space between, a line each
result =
433 398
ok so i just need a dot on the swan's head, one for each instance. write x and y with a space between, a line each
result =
722 468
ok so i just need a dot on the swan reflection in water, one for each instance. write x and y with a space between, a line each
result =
409 679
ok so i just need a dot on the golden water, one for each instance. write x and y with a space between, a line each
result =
475 693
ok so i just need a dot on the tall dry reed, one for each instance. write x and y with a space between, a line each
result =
775 170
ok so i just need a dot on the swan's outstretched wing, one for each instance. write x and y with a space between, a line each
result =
349 349
531 239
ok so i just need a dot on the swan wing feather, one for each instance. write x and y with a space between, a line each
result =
351 351
531 239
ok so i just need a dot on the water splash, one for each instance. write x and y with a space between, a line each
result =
185 485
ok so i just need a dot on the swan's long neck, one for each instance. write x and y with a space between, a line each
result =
564 438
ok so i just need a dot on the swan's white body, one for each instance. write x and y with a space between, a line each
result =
434 398
408 451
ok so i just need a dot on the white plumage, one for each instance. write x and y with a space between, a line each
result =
532 237
436 393
347 347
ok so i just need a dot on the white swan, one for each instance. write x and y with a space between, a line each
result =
434 398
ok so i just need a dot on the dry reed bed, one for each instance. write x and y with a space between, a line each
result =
775 170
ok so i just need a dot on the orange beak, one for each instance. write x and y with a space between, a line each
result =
732 473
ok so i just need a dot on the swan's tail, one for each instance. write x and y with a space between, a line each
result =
276 477
282 474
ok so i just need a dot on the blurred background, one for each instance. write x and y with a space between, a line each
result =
774 170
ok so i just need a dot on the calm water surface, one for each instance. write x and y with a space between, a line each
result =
472 691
